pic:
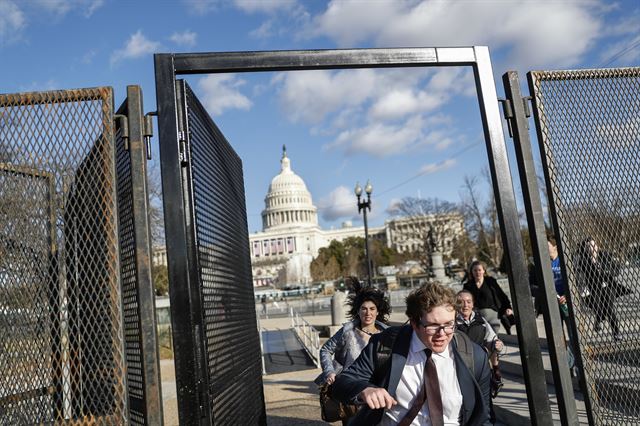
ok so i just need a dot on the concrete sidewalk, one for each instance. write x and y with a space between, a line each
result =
292 398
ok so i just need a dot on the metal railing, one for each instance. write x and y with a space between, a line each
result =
307 334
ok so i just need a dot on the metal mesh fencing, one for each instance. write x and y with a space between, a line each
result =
61 345
138 298
230 336
129 277
589 132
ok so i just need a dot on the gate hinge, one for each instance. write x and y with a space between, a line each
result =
122 123
527 111
147 132
507 110
182 142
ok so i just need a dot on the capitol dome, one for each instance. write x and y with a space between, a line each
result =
288 202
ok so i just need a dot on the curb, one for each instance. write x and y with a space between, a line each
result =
509 417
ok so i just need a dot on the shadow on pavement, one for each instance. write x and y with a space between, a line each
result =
289 421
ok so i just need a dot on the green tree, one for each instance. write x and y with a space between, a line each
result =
348 258
161 280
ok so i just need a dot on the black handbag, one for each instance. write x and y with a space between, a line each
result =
333 410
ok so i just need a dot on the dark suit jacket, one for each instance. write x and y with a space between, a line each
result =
361 374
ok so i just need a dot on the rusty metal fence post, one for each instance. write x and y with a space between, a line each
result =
138 297
77 322
61 334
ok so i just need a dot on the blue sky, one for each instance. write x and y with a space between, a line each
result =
412 132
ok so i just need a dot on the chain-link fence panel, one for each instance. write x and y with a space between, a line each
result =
588 125
230 336
61 333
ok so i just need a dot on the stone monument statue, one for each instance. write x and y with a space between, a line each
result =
437 267
338 317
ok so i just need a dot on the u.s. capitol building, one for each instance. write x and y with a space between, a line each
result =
282 252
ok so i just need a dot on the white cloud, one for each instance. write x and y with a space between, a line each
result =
313 96
340 203
265 6
12 21
221 92
395 104
62 7
137 46
381 139
444 143
185 38
376 112
202 7
87 58
57 7
93 6
563 31
343 20
442 86
265 30
432 168
310 95
392 208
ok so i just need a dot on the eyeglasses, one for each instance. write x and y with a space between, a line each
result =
435 329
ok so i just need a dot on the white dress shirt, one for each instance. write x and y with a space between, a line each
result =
411 383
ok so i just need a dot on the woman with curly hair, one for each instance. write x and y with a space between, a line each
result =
368 311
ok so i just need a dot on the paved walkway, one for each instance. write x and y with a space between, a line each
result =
292 398
283 352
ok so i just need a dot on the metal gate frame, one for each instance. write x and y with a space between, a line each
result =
131 300
86 361
516 112
182 273
532 201
138 296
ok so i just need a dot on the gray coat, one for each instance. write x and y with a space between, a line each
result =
344 347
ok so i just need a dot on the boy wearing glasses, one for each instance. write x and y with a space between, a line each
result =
426 379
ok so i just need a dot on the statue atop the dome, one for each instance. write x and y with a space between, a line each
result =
285 163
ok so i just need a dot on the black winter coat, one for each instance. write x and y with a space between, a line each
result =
599 276
498 301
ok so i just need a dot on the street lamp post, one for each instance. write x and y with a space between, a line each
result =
364 206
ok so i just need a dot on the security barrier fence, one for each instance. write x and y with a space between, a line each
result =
62 349
62 334
78 339
138 298
589 134
232 364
